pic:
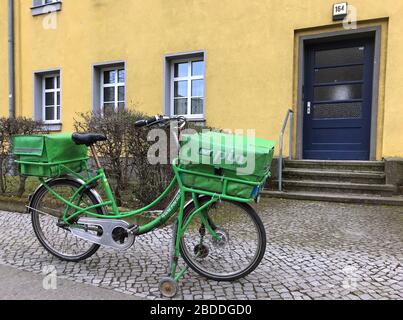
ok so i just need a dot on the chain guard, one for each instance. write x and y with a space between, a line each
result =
111 236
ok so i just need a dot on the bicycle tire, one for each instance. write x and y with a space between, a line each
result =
261 233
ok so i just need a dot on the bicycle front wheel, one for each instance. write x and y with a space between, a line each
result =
242 245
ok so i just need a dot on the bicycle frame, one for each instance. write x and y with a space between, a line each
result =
176 204
117 214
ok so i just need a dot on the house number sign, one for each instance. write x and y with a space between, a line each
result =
340 11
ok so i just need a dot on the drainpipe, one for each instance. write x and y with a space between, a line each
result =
11 64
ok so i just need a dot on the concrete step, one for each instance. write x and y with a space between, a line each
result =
338 187
371 166
346 198
363 177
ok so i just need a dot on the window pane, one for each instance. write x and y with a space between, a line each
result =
109 107
181 70
58 99
342 92
197 68
49 99
49 83
121 106
121 76
180 89
109 76
58 82
340 56
109 94
49 113
197 105
121 93
180 106
38 3
339 74
198 88
58 113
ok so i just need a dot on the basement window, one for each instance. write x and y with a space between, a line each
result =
45 6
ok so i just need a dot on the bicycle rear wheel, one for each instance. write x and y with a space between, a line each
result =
239 252
47 213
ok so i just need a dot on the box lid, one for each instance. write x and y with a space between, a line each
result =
223 150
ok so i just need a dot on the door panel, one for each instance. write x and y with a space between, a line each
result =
338 92
337 100
339 56
339 74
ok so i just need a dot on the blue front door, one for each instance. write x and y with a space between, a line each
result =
337 100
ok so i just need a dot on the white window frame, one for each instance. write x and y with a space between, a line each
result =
42 7
55 90
44 3
189 79
116 85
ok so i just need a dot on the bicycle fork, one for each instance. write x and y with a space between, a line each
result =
180 228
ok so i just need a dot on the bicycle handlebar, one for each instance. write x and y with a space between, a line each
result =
159 120
146 122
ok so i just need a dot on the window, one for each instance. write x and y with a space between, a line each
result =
47 98
38 3
187 87
113 89
45 6
109 87
51 99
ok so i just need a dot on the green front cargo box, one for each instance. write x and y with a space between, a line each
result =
48 155
226 157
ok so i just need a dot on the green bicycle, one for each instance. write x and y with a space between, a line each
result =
217 232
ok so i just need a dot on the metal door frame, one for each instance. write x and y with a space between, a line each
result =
375 32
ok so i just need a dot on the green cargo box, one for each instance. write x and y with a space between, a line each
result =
48 155
226 157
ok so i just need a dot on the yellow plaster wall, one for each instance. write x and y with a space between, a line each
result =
250 55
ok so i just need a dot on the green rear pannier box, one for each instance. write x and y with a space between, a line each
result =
48 155
226 156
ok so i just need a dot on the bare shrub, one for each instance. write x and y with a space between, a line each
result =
151 179
125 156
113 152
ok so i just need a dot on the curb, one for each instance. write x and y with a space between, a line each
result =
13 204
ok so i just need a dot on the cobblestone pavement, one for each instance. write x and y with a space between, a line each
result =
315 250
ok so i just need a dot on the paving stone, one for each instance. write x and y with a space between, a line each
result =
315 250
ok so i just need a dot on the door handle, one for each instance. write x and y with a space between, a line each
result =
308 107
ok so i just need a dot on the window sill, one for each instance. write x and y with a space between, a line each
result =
52 127
46 8
196 120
